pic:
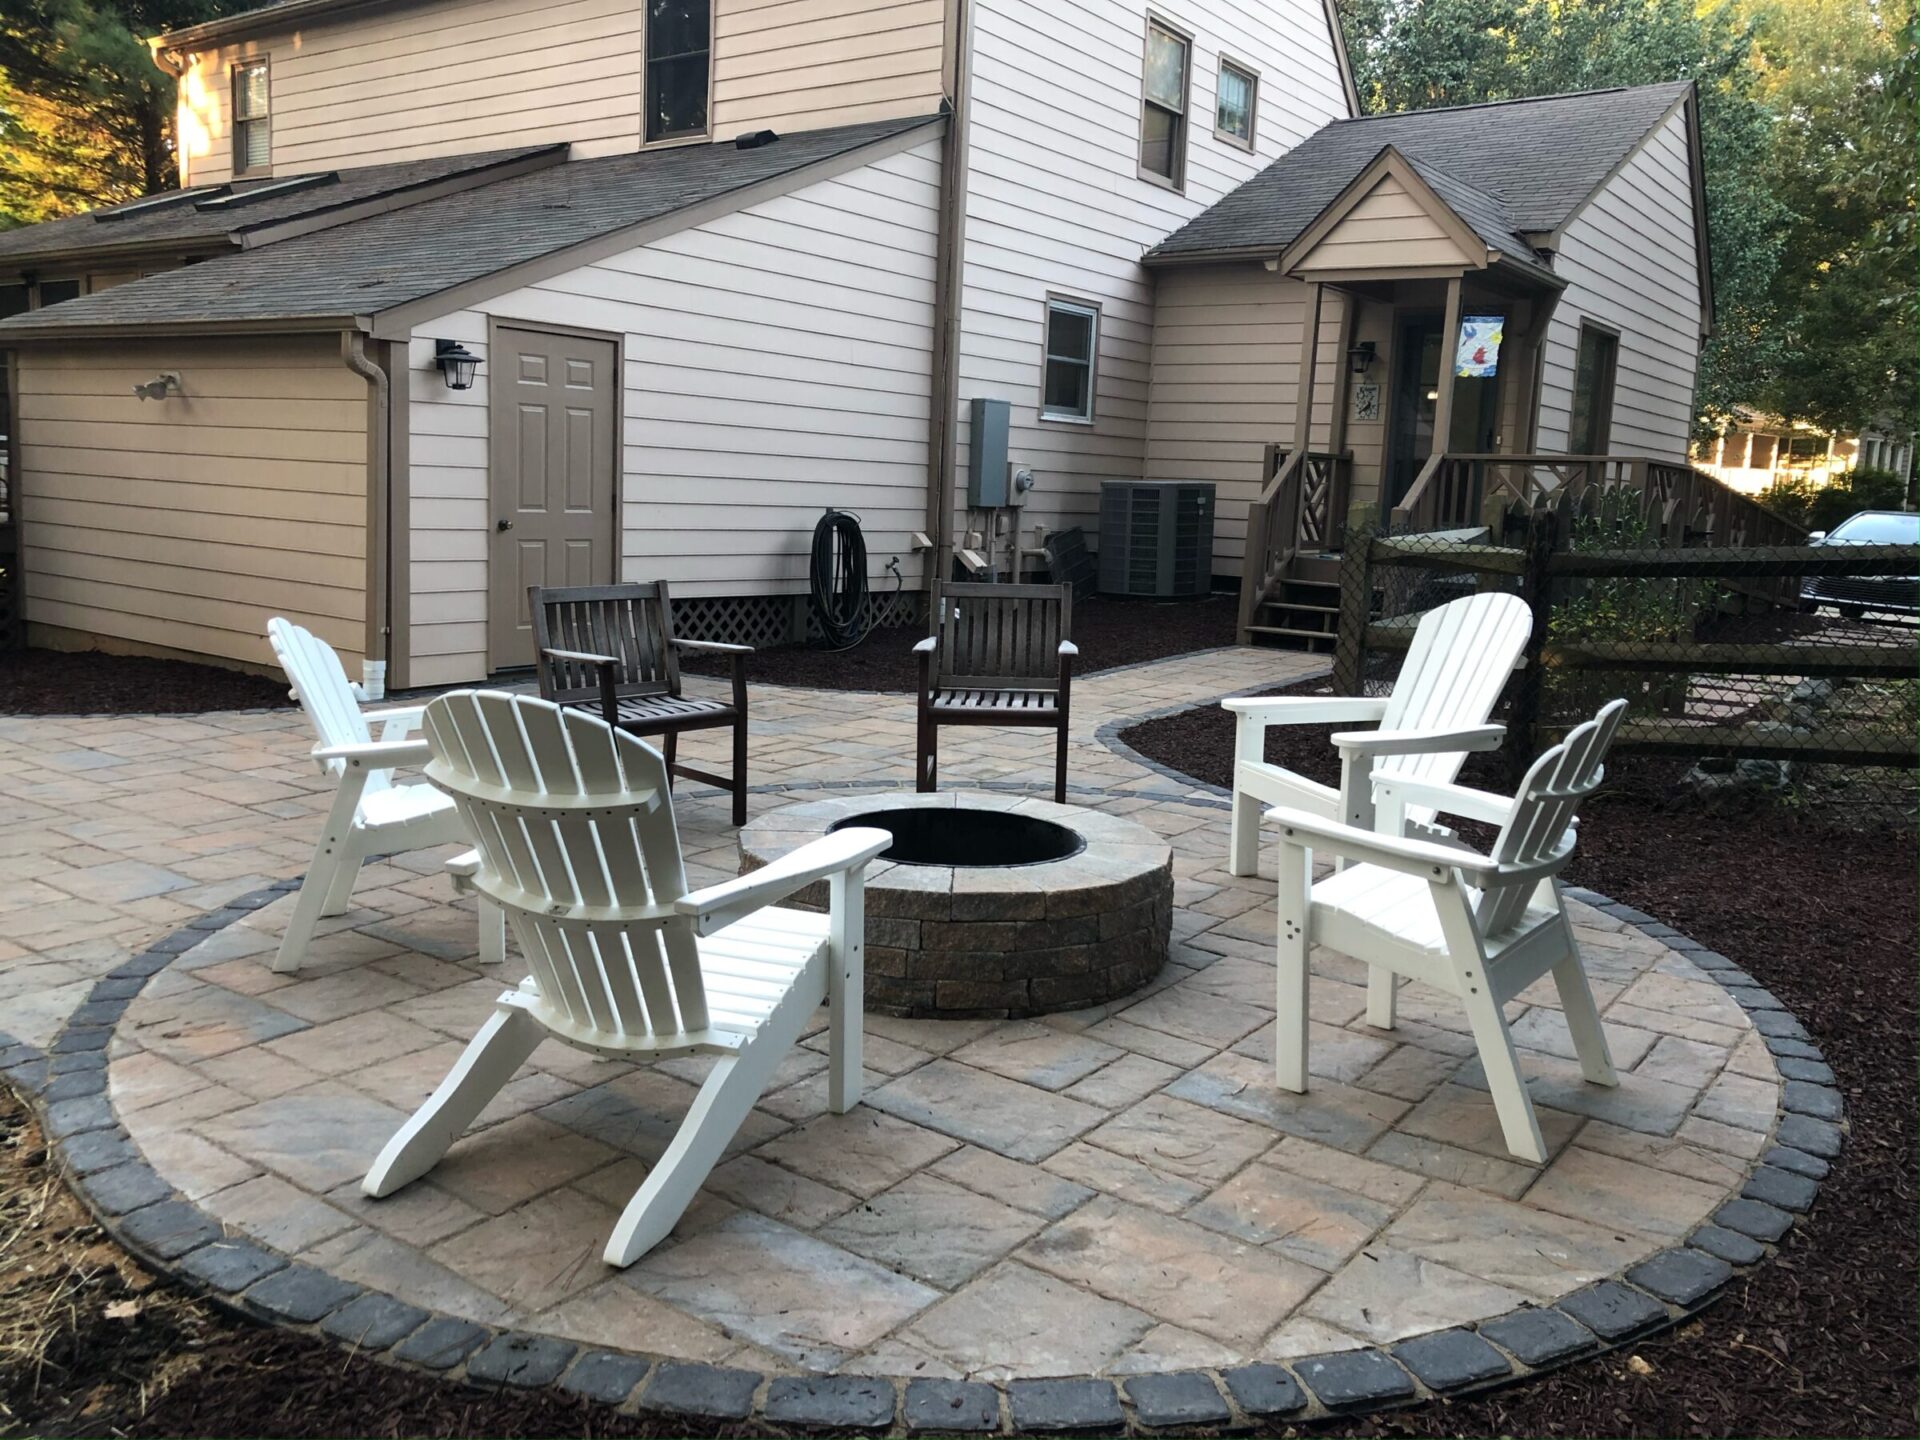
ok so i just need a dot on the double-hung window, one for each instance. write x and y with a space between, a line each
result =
1235 100
1072 341
679 45
252 126
1592 420
1163 106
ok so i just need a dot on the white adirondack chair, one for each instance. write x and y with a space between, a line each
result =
1482 927
1460 658
370 815
578 845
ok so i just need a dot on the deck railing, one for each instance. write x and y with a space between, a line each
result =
1302 507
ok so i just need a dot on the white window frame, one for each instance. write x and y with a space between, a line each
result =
1183 120
1252 77
240 67
1070 304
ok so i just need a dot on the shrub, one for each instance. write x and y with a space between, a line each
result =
1849 494
1791 498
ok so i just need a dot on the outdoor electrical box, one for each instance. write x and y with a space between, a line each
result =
987 480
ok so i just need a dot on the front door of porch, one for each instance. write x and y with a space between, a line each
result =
1413 406
555 430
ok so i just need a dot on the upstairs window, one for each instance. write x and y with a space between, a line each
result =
1235 100
679 42
1066 387
1163 106
1592 423
252 133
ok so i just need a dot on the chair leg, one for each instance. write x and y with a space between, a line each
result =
1290 966
669 749
740 772
493 933
340 892
1060 767
308 906
1502 1066
1244 851
926 764
1383 994
716 1115
489 1062
1583 1021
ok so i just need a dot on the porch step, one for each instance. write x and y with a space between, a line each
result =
1314 640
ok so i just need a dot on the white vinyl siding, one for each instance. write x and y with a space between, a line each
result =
789 65
1629 261
1226 378
187 522
1055 204
778 362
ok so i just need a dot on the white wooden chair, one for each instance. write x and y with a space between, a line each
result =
370 815
1460 658
1481 927
578 845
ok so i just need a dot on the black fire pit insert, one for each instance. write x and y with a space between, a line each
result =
976 838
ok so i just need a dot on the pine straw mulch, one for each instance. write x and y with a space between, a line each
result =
91 682
1822 1340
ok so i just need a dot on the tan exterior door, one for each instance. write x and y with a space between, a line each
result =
555 438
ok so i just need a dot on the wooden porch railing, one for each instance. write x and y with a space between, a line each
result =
1677 505
1302 507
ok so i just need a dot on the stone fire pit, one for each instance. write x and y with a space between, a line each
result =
993 905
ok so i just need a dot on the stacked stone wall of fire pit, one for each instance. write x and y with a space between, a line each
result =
991 941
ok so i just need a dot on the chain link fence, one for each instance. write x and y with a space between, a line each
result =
1785 674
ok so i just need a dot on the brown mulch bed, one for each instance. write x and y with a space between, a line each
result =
1822 1340
91 682
1108 631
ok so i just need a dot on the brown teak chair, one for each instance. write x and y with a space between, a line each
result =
610 649
998 655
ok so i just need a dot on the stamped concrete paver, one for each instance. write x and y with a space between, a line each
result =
1114 1191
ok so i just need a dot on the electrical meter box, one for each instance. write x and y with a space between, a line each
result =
987 485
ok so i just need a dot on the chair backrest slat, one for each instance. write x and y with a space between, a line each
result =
1461 657
319 682
519 769
632 623
1540 825
1001 637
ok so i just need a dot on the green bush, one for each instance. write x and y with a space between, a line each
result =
1849 494
1791 498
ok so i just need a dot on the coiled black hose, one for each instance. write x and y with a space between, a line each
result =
837 580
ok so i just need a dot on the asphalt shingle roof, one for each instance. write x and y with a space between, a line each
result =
375 264
1508 168
185 225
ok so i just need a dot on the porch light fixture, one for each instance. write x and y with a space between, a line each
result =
456 362
1360 358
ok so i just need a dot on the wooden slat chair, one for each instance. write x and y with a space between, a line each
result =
370 815
1461 656
1480 927
611 649
578 845
998 655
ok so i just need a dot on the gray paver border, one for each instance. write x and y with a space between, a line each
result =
66 1085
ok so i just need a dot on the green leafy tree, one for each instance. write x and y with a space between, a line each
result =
1416 54
86 118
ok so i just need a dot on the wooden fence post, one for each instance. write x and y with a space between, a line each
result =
1356 601
1523 721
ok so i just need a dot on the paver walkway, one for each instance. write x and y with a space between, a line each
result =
1111 1191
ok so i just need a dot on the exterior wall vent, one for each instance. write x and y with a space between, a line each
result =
1156 540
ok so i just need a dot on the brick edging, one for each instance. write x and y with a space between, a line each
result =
67 1087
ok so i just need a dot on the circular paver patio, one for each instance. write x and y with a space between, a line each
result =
1117 1193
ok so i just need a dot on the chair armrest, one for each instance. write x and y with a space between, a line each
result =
465 865
927 646
1445 797
718 906
1306 709
1411 857
377 754
396 720
716 647
1419 742
1069 649
581 657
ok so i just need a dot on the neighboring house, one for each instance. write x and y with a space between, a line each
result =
725 263
1761 450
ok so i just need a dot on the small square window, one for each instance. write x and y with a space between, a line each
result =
252 132
1163 106
1072 341
1235 103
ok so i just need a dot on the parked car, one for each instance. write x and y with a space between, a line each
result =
1854 595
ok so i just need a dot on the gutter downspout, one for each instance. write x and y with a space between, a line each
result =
950 265
353 352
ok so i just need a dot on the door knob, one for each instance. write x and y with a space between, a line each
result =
503 525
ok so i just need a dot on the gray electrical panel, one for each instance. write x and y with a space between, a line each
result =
987 455
1156 539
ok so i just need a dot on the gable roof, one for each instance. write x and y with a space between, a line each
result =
1510 169
233 215
479 237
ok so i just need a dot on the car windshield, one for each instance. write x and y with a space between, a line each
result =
1880 529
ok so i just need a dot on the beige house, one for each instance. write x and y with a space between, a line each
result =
463 294
1760 450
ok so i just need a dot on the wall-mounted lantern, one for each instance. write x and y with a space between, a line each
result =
160 387
1360 358
456 362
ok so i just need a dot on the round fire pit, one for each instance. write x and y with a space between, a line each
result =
992 905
